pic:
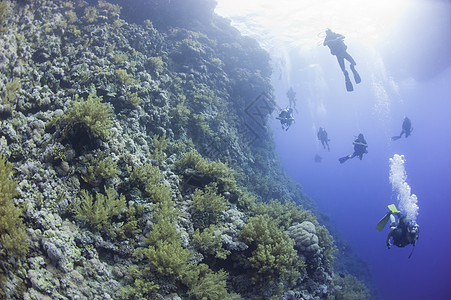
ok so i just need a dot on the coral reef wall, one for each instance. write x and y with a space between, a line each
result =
140 164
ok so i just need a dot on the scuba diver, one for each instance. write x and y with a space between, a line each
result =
286 118
360 146
318 158
338 48
322 136
292 97
403 232
406 129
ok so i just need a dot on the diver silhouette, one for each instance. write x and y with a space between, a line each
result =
338 48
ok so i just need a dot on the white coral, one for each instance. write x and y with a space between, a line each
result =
305 237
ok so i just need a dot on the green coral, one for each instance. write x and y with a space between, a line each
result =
208 206
156 64
284 213
200 125
181 113
151 179
206 284
131 228
326 243
133 99
90 15
109 9
208 242
274 259
120 57
99 167
90 116
71 16
216 169
203 96
347 287
12 230
165 252
11 89
124 78
167 258
99 212
141 287
3 15
58 153
160 144
287 213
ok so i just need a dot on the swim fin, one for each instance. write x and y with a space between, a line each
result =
394 138
343 159
356 75
383 221
348 82
393 209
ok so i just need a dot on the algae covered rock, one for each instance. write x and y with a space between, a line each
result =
305 237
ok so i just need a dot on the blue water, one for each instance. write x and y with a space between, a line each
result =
404 58
356 194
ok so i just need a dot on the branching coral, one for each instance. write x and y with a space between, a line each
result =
155 64
284 213
12 231
100 211
206 284
3 14
347 287
151 179
208 242
11 89
90 15
124 78
219 171
133 99
109 9
208 205
160 144
165 252
99 167
91 117
273 257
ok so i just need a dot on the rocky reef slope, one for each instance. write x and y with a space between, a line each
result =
137 163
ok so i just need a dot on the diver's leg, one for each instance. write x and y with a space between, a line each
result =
341 62
393 221
402 132
349 58
348 83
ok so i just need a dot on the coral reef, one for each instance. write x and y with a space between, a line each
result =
137 171
305 237
347 287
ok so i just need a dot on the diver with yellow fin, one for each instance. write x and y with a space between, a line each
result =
403 232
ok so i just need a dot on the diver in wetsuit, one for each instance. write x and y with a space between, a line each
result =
286 118
402 232
360 146
338 48
322 136
406 129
